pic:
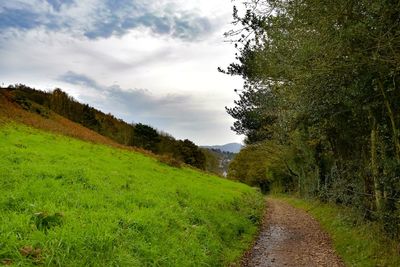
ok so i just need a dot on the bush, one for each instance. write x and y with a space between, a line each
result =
170 161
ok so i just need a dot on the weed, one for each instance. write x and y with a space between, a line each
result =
44 221
170 161
34 254
7 261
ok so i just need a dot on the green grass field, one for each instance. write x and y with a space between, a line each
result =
359 243
65 202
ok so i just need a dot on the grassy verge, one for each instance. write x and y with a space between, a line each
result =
65 202
358 243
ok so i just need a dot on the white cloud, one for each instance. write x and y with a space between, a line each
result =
185 94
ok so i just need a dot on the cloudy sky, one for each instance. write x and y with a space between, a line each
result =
145 61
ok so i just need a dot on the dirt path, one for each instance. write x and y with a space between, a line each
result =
291 237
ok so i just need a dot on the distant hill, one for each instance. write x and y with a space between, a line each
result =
60 112
231 147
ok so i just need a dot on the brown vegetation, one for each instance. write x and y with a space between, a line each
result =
12 112
28 106
170 160
58 112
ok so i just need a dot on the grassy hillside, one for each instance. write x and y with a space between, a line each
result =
11 111
67 202
52 109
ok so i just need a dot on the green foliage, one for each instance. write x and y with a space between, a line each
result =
259 165
212 161
64 202
146 137
322 85
44 221
191 154
138 135
253 115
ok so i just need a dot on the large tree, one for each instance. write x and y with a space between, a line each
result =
321 78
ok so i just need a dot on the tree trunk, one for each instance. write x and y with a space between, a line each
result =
390 113
374 163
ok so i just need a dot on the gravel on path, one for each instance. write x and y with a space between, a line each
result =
290 237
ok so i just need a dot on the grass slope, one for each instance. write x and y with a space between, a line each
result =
65 202
358 243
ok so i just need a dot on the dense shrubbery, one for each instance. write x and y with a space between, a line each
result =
138 135
320 106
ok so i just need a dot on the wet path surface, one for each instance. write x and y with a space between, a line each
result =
291 237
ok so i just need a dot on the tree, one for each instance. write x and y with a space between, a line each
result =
322 82
146 137
191 154
253 114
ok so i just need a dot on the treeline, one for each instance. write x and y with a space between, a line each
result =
321 101
225 158
129 134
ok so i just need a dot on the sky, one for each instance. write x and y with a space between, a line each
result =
153 62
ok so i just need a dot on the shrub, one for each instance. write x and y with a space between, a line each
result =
170 160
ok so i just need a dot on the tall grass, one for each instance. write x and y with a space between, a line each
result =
65 202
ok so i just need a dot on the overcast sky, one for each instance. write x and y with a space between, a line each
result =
145 61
